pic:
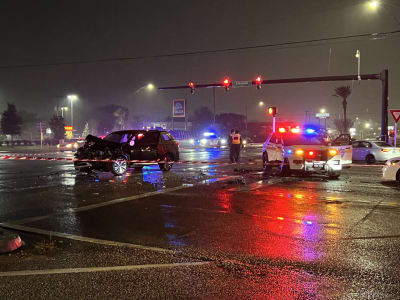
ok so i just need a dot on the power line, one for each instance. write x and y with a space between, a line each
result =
200 52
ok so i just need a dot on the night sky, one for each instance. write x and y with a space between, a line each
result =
43 32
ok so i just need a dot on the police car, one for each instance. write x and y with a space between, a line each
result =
304 151
209 139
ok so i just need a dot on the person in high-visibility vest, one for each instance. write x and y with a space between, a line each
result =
236 145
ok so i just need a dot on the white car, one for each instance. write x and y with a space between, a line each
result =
391 171
304 152
372 151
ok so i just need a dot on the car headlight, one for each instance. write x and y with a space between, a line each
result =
203 141
58 145
69 146
391 162
76 145
244 142
191 141
223 141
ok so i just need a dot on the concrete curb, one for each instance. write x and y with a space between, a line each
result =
9 241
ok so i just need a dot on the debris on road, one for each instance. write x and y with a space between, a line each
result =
9 241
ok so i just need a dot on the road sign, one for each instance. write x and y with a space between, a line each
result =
179 108
395 114
322 115
242 83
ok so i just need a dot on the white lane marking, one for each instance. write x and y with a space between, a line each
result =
83 238
98 269
116 201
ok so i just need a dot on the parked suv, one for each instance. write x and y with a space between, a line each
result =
123 146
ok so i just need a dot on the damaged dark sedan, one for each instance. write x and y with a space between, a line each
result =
121 147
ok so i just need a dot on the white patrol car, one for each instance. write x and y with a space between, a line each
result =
305 152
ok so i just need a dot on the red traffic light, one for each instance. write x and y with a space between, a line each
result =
191 85
258 81
272 111
227 83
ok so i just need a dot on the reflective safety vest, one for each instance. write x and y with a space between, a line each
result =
236 138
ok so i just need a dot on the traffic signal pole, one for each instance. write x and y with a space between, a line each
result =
383 77
273 124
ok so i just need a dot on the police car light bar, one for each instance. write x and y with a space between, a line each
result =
282 130
310 130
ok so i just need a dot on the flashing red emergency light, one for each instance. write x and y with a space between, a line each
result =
258 82
282 130
191 85
227 83
272 111
311 154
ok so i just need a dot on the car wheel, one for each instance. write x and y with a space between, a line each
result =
267 168
285 169
166 166
398 176
370 159
119 166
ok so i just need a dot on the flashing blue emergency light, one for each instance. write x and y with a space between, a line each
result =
310 130
209 134
290 151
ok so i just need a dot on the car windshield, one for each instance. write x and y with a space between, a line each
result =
291 140
382 144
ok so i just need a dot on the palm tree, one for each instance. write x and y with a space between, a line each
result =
343 92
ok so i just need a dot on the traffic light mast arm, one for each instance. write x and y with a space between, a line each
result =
287 80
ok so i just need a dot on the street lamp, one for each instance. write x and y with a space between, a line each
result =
322 110
72 98
367 125
149 87
261 103
373 4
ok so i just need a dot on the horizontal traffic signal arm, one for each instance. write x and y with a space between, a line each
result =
287 80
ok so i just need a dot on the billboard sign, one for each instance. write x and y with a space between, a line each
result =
179 108
322 115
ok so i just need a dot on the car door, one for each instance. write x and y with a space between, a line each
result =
343 144
274 148
365 150
164 144
144 146
356 150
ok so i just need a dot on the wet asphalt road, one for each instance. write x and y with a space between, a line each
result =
199 231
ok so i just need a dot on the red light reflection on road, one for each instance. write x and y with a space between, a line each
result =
288 222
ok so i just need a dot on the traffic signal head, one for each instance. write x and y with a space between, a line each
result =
191 85
227 83
258 82
271 111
